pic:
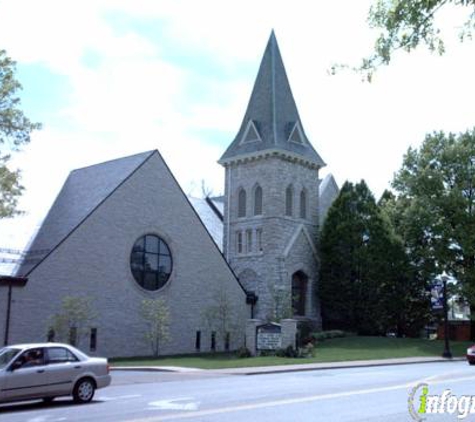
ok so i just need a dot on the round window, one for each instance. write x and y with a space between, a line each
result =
151 262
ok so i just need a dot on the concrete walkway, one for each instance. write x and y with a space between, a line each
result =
259 370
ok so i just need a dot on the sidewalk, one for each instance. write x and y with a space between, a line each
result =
260 370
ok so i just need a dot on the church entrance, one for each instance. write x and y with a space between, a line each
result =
299 292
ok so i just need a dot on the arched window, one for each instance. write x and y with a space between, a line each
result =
303 204
258 200
289 200
242 203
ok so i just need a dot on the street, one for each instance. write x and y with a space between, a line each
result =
357 394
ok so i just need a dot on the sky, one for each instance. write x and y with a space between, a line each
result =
111 78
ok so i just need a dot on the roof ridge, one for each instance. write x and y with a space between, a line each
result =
145 153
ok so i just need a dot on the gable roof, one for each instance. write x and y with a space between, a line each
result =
84 190
328 192
210 219
273 114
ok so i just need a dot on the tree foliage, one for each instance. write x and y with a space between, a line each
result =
74 319
157 316
435 207
220 315
365 278
405 24
281 303
15 130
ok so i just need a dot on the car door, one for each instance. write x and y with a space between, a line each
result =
26 377
63 368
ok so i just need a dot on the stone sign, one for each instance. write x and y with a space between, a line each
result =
269 337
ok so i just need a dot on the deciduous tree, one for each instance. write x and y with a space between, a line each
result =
73 320
436 207
220 316
406 24
156 314
15 130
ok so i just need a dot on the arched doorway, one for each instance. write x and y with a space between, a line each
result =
299 292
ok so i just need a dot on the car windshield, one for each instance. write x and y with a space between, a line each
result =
6 355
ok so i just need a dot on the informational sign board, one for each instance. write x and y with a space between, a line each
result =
269 337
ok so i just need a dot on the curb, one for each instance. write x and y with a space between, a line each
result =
335 365
263 370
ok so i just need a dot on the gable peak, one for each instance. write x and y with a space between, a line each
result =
251 134
296 134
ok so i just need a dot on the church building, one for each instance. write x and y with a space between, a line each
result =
122 232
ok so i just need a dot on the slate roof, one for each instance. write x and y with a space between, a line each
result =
328 182
271 112
328 192
84 190
210 219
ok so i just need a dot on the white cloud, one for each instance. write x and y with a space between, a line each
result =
130 93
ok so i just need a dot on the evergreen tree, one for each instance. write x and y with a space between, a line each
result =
365 281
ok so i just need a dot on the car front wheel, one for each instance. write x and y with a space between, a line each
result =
84 390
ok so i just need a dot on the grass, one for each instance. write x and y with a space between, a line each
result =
332 350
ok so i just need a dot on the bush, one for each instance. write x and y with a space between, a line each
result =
306 351
288 352
243 352
325 335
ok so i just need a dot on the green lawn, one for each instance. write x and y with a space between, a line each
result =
334 350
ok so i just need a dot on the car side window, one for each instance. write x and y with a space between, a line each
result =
32 357
60 355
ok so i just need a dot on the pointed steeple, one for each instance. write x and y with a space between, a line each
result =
271 116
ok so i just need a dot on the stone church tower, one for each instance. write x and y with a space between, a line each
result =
271 200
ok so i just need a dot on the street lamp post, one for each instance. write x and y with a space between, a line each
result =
446 353
10 282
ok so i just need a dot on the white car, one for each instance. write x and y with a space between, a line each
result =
48 370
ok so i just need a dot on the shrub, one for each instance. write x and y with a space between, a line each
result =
306 351
288 352
325 335
243 352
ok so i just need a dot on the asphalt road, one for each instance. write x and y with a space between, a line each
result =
358 394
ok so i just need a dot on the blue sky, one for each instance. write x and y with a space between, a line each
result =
109 78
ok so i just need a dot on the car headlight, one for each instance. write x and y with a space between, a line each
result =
471 352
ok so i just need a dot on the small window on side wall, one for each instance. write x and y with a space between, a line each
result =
213 341
93 340
198 341
227 342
